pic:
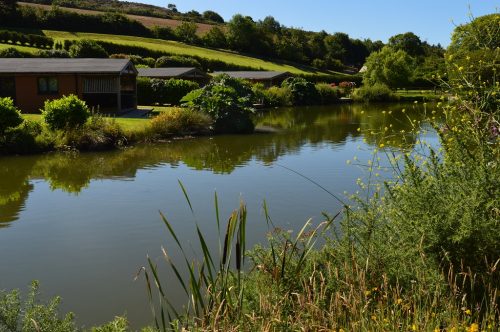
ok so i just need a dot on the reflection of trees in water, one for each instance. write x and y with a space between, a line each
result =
221 154
14 187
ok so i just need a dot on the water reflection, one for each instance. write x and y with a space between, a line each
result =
293 128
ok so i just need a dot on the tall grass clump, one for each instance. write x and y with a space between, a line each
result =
98 133
418 252
179 122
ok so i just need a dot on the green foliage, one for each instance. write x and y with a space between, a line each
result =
473 60
278 96
31 315
65 113
408 42
242 33
13 52
151 91
215 37
53 54
27 138
210 15
176 61
228 101
327 93
303 91
376 92
98 133
145 93
179 122
14 37
10 116
389 67
86 48
186 32
161 32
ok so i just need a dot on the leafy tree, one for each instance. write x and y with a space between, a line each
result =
389 67
186 32
408 42
86 48
215 37
483 32
210 15
337 46
10 116
172 7
193 14
242 33
270 25
473 62
228 101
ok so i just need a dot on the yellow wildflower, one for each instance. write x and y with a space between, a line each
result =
473 328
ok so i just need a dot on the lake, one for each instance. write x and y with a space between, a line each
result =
83 224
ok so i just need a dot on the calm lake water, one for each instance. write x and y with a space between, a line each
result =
82 224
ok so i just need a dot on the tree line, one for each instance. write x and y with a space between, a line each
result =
265 38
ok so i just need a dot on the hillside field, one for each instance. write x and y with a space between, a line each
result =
147 21
175 47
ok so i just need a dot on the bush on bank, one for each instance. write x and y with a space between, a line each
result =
228 101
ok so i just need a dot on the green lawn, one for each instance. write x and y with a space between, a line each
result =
20 48
127 124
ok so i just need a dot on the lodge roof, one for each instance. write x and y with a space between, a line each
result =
171 72
64 66
255 75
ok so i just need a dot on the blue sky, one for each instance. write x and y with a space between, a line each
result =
432 20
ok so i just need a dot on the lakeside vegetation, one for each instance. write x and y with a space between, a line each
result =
419 252
420 255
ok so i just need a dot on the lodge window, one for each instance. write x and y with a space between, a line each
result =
48 85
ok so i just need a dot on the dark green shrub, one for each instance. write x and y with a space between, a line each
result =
176 61
179 122
228 101
303 91
10 116
327 93
65 113
376 92
165 33
87 49
176 89
25 139
152 91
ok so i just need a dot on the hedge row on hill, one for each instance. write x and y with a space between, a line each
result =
56 19
13 37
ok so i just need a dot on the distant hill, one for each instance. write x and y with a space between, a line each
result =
134 8
147 21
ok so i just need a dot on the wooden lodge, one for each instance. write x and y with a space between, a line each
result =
107 84
188 73
268 78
